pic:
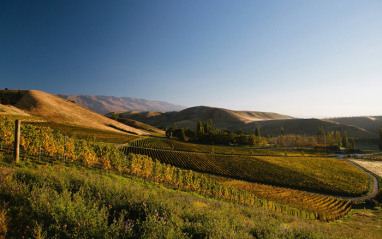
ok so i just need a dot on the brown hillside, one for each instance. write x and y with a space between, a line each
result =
55 109
269 123
188 118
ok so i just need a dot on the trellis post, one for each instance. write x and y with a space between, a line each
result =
17 141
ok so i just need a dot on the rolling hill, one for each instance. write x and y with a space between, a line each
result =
307 127
188 118
269 123
56 109
370 123
105 104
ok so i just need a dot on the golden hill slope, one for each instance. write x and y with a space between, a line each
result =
55 109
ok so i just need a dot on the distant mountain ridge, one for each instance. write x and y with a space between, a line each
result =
105 104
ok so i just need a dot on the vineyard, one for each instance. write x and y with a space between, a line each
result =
323 175
86 133
233 150
295 198
166 167
287 201
37 141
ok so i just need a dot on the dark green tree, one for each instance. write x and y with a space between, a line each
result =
182 135
320 131
338 139
321 135
257 132
199 127
282 132
345 140
115 116
380 139
352 144
169 133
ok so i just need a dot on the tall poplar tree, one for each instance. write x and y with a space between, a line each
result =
257 132
345 140
338 139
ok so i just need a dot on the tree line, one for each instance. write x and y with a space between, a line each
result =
206 134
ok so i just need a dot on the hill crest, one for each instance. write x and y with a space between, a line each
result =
221 118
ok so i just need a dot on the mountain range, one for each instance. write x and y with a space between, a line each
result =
105 104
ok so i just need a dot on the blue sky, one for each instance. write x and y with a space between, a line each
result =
301 58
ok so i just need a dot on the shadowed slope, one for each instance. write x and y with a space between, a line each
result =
372 123
221 118
269 123
11 110
307 127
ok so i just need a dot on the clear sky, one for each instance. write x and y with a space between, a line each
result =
304 58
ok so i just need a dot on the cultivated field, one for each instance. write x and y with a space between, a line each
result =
374 166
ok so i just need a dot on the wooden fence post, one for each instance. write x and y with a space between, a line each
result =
17 141
64 148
